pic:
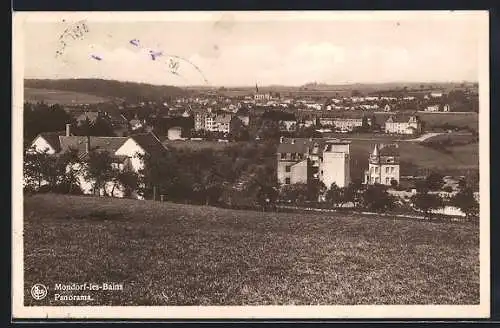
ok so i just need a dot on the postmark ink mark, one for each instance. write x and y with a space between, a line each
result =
173 62
76 31
155 54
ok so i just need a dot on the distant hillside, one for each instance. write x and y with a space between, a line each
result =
128 91
61 97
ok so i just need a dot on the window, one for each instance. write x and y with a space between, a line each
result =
287 180
387 169
387 181
392 169
376 169
287 168
283 155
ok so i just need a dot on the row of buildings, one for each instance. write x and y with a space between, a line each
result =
301 160
219 122
410 125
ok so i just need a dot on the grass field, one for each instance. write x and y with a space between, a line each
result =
469 120
462 119
61 97
464 157
198 144
173 254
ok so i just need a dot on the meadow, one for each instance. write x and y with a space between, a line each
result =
175 254
61 97
431 120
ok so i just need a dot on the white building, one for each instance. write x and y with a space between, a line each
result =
383 165
403 125
125 152
301 159
432 108
334 165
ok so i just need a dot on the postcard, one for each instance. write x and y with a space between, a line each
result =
267 165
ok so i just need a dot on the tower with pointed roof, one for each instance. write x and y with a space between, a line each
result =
383 165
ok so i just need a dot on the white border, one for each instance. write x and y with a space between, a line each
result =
241 312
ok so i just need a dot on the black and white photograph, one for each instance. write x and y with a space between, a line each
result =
247 164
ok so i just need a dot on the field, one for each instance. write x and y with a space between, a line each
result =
469 119
463 157
459 119
198 144
173 254
61 97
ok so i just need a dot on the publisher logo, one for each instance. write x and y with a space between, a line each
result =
38 292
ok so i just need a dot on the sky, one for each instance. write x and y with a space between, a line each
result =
229 50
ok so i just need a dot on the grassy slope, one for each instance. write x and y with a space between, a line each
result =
209 256
461 157
61 97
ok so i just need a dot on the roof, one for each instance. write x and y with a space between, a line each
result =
400 118
109 144
224 118
149 142
52 139
301 145
388 150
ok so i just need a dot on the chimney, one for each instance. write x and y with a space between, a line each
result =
68 130
87 145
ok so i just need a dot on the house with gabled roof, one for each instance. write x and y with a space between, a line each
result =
126 153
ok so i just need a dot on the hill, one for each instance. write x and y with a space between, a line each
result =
129 91
176 254
62 97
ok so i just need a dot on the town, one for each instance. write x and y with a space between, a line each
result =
264 164
315 148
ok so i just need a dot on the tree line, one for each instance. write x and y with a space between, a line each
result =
376 198
237 177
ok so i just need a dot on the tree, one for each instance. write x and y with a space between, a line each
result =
43 169
72 164
128 179
41 117
462 184
427 202
158 173
295 193
102 127
466 202
364 124
434 181
376 198
394 183
34 164
267 196
351 193
315 189
99 169
334 195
